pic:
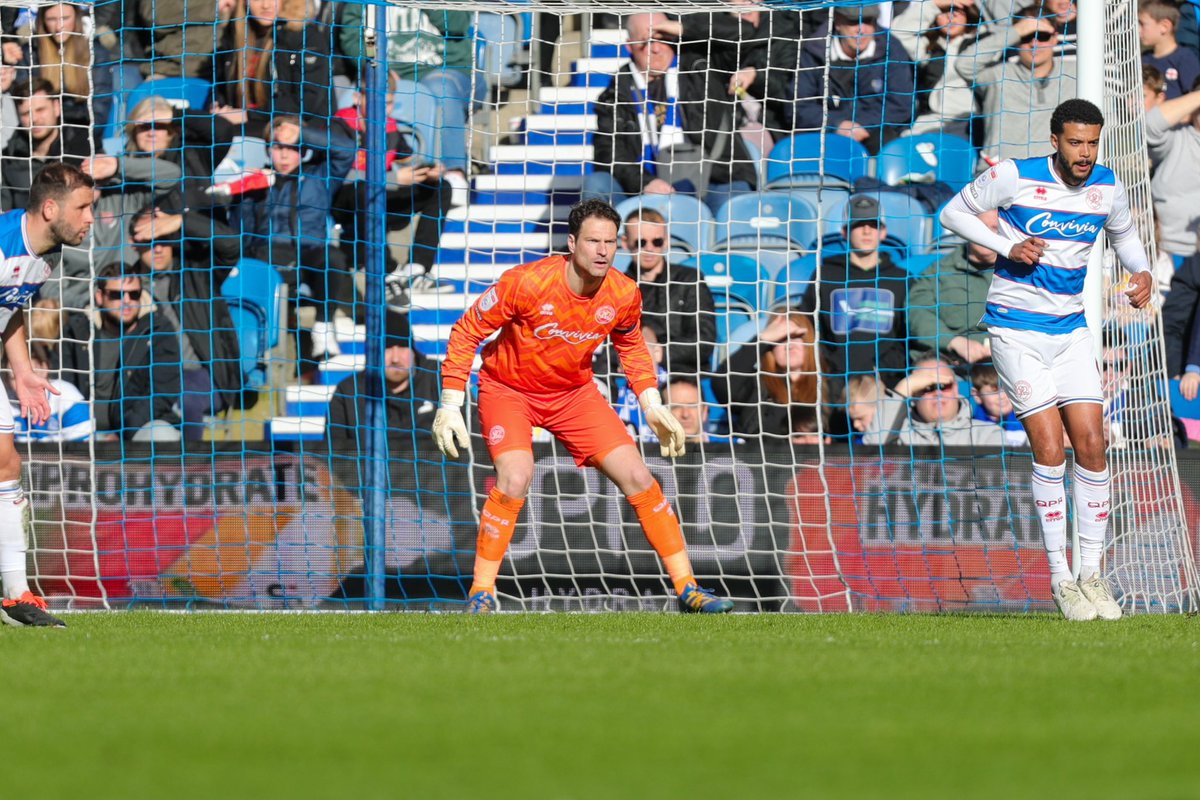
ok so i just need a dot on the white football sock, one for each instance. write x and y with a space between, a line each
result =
1051 502
1092 505
12 539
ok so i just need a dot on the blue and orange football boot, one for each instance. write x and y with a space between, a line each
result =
694 600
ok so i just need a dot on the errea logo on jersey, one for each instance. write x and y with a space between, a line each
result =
551 331
1071 229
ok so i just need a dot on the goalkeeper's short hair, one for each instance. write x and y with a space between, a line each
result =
588 209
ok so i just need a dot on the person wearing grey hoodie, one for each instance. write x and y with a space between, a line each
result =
927 410
1020 95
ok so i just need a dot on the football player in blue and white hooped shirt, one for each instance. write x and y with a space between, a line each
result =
59 212
1051 211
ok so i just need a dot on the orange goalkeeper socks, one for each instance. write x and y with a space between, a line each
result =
496 524
662 530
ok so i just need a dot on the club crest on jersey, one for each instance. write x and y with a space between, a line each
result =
1094 198
1023 390
605 314
489 299
496 435
1043 223
548 309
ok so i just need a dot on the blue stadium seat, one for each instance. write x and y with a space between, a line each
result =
732 314
689 222
766 221
183 93
926 158
738 280
773 261
254 293
795 283
797 161
416 109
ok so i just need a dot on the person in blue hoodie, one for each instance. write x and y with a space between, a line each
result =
871 78
286 223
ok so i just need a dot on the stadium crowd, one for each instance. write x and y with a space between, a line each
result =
882 348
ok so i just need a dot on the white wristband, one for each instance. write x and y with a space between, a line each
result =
453 398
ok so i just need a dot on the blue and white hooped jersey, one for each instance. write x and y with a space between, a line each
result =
1033 201
21 272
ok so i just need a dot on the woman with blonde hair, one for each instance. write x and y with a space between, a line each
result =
770 385
60 53
127 182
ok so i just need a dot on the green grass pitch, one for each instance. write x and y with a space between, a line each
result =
146 705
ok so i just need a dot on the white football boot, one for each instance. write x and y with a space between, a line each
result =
1100 595
1072 602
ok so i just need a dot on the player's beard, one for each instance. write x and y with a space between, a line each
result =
66 235
1067 170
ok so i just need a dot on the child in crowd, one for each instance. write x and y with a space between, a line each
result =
863 395
1157 23
992 404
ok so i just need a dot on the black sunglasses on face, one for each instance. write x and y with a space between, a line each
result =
644 243
116 294
937 387
1041 36
142 127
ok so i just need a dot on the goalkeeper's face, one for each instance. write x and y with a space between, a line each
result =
593 248
1076 149
72 217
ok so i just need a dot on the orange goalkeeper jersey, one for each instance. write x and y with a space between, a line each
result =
548 334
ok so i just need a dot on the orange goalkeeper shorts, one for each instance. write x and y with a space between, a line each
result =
580 418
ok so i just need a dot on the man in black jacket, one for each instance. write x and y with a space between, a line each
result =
40 140
652 110
411 394
136 361
675 300
185 280
862 321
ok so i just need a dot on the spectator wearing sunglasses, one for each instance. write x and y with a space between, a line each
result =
286 223
1018 95
186 257
135 358
927 409
676 301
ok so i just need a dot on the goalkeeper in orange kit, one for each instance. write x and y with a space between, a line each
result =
552 315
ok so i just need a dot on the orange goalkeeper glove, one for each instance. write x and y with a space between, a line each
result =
448 425
663 423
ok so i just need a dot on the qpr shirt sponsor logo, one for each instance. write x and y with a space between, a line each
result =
1072 229
17 296
551 331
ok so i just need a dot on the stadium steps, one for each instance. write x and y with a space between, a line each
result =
296 429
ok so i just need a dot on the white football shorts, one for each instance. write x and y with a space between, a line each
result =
7 421
1040 370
